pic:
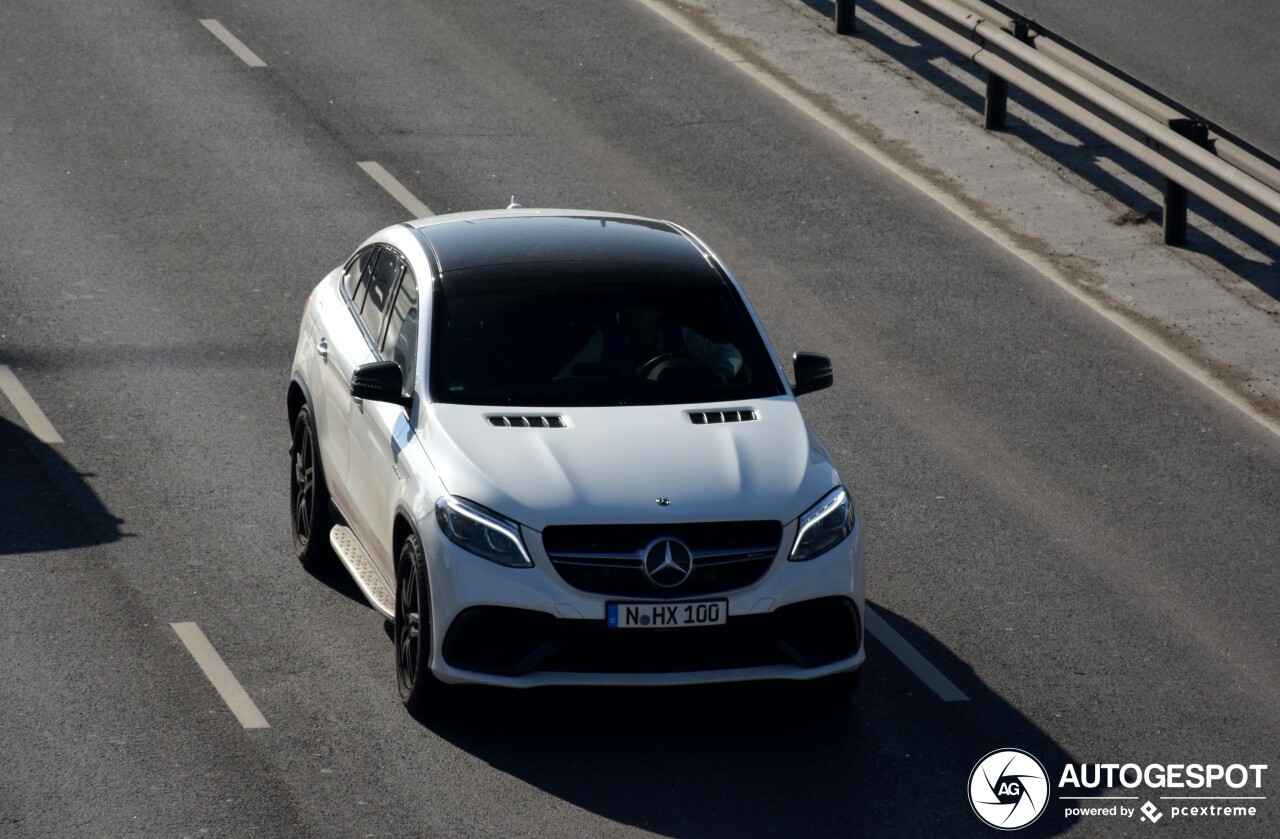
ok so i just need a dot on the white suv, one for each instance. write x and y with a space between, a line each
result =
554 447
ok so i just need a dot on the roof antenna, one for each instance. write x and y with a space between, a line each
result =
513 205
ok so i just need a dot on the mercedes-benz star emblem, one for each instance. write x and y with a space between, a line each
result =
668 563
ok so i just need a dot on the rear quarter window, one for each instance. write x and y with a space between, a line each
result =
351 278
382 279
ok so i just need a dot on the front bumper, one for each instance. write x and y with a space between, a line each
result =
525 627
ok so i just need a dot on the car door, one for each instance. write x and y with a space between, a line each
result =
380 430
342 345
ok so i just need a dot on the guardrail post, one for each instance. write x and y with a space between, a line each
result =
997 106
1175 195
844 17
997 102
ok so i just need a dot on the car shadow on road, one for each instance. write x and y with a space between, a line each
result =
761 760
45 503
337 578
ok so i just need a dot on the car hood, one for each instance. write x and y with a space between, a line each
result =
612 464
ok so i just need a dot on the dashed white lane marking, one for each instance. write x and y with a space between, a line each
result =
911 657
233 43
37 423
396 189
220 675
1143 334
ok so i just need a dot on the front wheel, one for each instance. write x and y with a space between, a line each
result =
420 691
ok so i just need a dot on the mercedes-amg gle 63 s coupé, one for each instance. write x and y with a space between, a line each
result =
554 447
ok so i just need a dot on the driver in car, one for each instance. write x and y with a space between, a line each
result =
639 337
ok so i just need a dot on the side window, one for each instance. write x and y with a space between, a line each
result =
355 270
401 342
382 279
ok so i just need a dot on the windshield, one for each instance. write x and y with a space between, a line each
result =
596 343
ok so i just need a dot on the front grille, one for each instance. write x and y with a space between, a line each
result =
512 642
609 559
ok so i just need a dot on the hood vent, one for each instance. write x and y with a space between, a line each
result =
526 422
716 417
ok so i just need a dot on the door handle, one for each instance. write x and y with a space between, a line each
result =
322 347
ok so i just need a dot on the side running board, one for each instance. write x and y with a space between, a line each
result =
372 586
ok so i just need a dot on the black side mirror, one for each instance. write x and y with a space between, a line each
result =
379 381
813 372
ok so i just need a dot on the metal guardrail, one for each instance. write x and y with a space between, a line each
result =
1193 154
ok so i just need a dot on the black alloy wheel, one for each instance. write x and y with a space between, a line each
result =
308 496
420 691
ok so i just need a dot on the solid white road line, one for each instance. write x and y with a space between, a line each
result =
911 657
395 189
37 423
233 43
1143 334
220 675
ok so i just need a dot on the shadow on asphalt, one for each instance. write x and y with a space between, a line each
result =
757 760
45 504
1089 157
337 578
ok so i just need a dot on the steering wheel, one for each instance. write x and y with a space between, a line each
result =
659 364
679 369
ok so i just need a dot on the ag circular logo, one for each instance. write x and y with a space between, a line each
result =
1008 789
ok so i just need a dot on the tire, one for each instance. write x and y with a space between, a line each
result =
309 497
421 692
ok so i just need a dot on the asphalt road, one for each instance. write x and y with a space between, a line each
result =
1078 536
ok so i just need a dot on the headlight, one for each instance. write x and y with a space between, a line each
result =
827 524
482 532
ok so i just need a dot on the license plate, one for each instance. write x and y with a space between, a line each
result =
666 615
